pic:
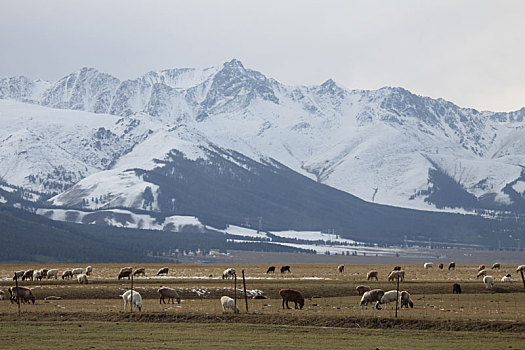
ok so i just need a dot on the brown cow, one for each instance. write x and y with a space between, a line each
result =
271 269
285 268
292 295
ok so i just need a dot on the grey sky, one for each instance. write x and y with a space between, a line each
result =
469 52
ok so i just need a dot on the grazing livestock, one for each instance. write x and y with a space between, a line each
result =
67 274
228 304
371 296
292 295
495 266
24 294
137 299
389 297
506 278
362 289
405 300
89 270
28 275
456 288
44 272
481 273
37 275
488 281
170 293
396 268
341 268
452 266
77 271
371 274
52 273
481 267
140 271
163 271
520 268
428 265
230 272
285 268
394 275
125 272
271 269
82 279
18 274
440 266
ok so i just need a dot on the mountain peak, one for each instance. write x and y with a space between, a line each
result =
234 64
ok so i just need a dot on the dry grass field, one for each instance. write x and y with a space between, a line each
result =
331 301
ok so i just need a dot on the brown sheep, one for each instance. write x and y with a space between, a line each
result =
452 266
394 275
405 299
170 293
271 269
125 272
362 289
371 296
24 294
370 275
341 268
441 266
140 271
481 267
292 295
495 266
456 288
285 268
163 271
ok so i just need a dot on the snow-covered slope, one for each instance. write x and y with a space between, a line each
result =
387 146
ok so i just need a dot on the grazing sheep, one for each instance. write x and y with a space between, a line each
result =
28 275
506 278
389 297
520 268
481 273
67 274
18 274
452 266
2 295
397 268
362 289
285 268
271 269
341 268
89 270
495 266
456 288
24 294
163 271
170 293
140 271
488 281
394 275
371 296
77 271
371 274
405 299
125 272
52 273
428 265
137 299
441 266
37 275
228 304
82 279
44 272
230 272
481 267
292 295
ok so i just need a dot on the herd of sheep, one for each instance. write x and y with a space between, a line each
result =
377 296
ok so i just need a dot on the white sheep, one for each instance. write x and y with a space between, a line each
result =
137 299
170 293
481 273
228 273
52 273
77 271
405 299
428 265
228 304
390 297
82 279
371 296
506 278
489 282
520 268
89 270
37 275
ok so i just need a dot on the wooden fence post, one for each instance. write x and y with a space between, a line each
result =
245 295
18 293
397 293
131 299
522 278
235 293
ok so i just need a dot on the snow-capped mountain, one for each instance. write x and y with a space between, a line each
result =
387 146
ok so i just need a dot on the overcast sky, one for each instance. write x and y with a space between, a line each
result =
469 52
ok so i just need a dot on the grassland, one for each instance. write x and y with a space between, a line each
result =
439 317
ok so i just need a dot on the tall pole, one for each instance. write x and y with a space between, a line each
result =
18 292
522 278
235 293
397 293
131 299
245 295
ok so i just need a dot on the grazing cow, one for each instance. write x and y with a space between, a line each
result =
292 295
341 268
271 269
452 266
285 268
456 288
371 274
